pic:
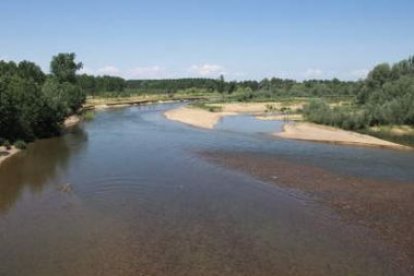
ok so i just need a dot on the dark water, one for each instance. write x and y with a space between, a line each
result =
127 194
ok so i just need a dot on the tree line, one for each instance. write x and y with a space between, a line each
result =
245 90
385 97
34 105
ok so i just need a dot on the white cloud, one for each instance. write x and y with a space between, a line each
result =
207 70
109 70
150 72
313 73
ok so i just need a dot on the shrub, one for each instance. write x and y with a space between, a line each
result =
89 115
20 144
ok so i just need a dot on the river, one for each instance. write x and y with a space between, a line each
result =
129 193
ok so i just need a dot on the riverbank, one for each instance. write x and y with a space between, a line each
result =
118 102
72 121
204 118
5 153
196 117
320 133
386 207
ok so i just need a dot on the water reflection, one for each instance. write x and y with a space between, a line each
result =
34 168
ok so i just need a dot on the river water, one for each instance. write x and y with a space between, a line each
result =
129 194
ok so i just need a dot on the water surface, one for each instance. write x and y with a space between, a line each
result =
142 202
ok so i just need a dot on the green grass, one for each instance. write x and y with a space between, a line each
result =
206 106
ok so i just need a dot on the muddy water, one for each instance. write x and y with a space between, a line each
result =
128 194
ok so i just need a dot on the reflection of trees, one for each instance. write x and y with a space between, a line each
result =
37 166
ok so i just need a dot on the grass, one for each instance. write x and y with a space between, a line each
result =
206 106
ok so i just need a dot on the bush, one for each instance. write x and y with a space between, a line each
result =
20 144
88 115
2 140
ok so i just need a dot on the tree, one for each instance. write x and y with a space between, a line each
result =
64 67
30 71
221 85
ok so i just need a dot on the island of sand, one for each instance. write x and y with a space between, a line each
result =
320 133
298 130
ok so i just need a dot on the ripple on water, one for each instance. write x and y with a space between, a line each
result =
139 193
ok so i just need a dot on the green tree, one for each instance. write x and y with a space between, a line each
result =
64 67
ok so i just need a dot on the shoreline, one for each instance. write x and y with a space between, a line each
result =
196 117
305 131
71 121
105 103
201 118
297 130
6 154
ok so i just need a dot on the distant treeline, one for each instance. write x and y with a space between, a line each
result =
33 104
99 85
386 97
245 90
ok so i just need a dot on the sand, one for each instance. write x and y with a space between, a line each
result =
300 130
5 154
319 133
71 121
196 117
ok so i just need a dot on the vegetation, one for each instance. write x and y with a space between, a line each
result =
385 98
88 115
102 85
32 104
206 106
19 144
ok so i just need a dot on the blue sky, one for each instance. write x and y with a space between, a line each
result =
190 38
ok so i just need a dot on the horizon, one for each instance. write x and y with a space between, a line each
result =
299 40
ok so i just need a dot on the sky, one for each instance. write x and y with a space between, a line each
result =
244 39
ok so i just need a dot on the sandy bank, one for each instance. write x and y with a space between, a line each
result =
205 119
319 133
118 102
196 117
5 154
71 121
